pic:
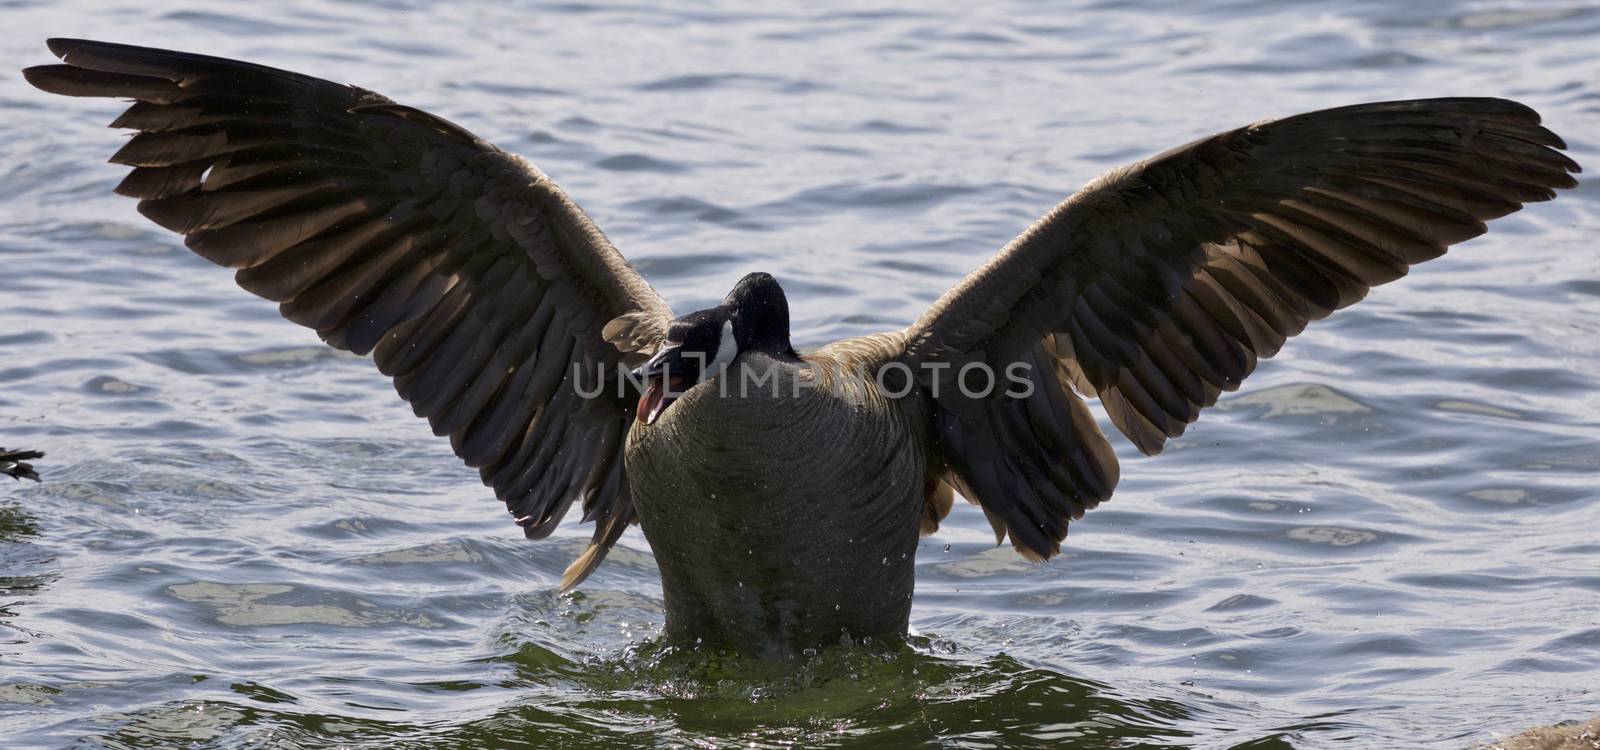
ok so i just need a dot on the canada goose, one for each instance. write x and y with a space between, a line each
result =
15 464
787 514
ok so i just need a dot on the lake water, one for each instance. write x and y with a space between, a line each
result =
1386 539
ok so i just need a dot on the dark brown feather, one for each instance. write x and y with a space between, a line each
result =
1161 284
475 280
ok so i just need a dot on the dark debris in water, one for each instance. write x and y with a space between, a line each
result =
14 463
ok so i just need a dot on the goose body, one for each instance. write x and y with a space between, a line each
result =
782 493
780 544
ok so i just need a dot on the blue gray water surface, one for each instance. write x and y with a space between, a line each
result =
1386 539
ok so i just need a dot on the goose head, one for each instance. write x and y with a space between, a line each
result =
754 317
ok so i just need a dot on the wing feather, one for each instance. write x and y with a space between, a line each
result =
1160 285
476 283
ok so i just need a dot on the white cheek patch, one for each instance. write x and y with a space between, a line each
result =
726 351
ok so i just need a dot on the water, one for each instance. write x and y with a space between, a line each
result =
245 540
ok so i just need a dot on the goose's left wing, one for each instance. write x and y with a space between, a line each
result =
1158 286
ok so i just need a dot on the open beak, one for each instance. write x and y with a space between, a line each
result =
661 387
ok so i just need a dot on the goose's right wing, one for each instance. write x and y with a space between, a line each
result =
1158 286
477 284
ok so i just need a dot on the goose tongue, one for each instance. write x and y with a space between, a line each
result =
659 393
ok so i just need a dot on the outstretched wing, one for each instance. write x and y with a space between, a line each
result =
1158 286
474 281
